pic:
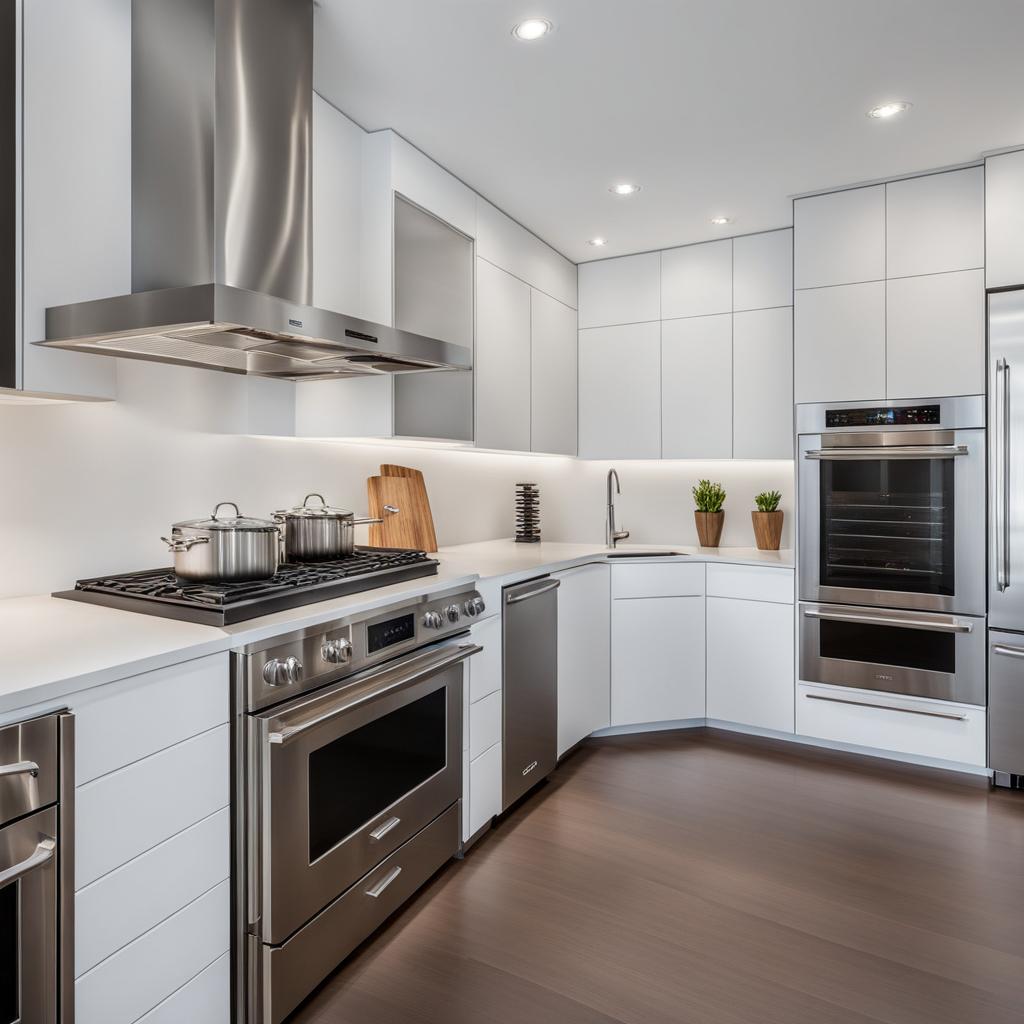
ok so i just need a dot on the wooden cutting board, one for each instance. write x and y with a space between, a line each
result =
413 525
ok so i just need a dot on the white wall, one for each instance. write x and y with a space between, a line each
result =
88 489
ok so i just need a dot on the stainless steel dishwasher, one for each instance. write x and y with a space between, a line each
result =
530 685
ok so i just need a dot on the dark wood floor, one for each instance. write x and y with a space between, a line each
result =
709 879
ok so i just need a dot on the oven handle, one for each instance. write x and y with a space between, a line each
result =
908 451
887 707
419 670
19 768
1008 651
43 854
1002 474
953 626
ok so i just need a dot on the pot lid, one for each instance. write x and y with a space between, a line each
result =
321 511
235 522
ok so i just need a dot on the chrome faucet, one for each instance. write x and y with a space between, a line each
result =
611 535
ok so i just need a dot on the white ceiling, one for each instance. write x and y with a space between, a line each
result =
714 106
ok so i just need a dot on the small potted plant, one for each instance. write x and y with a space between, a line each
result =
709 499
767 521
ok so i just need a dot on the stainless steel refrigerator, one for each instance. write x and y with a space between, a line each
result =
1006 537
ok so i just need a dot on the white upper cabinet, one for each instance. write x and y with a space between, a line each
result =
839 238
935 335
503 242
696 387
1004 220
502 359
696 280
935 223
620 392
762 270
762 382
839 343
625 290
429 185
553 375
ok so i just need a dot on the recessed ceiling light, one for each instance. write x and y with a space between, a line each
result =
886 110
532 28
624 188
719 221
597 241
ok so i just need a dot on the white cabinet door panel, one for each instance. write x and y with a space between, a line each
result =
696 387
935 223
648 578
417 177
206 999
485 667
839 238
935 335
1004 220
484 788
762 381
696 280
751 582
839 343
553 386
750 663
625 290
484 724
620 392
657 660
502 360
584 652
762 270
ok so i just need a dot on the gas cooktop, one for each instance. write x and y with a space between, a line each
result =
160 592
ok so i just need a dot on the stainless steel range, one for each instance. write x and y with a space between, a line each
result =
348 777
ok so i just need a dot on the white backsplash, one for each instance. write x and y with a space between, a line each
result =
89 488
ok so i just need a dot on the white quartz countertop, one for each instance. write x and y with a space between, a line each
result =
52 647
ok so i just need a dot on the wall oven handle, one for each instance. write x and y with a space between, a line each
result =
907 451
377 890
1002 474
19 768
382 830
952 626
42 854
515 598
345 699
1008 651
888 707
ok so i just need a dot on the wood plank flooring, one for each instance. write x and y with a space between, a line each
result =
706 878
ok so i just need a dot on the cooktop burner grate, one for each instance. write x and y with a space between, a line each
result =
160 592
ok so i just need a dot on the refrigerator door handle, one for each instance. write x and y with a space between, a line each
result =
1002 474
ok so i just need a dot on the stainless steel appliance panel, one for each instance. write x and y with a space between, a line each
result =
28 767
530 685
1006 705
921 654
1006 451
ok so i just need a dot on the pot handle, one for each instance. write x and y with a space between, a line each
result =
305 500
391 510
179 544
221 504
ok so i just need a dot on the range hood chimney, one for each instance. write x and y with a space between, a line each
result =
222 97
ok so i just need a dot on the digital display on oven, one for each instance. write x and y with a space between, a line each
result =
393 631
883 416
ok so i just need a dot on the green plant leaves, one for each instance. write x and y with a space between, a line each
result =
768 501
708 497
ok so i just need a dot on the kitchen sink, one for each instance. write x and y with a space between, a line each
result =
646 554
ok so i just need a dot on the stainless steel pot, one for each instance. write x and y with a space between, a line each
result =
226 549
317 533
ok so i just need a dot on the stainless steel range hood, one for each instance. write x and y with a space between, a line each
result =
222 94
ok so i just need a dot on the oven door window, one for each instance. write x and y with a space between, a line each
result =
887 524
359 775
9 954
897 647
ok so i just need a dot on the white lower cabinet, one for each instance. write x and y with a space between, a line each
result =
584 653
484 788
750 662
482 719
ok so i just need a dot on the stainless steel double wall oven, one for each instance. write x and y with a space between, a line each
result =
892 515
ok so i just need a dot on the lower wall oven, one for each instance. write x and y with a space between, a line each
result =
922 654
348 793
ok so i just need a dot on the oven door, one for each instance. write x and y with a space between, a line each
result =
343 777
28 920
894 521
916 653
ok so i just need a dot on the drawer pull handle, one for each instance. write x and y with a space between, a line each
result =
1009 651
19 768
376 890
382 830
888 707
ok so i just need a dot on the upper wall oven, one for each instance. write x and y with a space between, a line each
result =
892 504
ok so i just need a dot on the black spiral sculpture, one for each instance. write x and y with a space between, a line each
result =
527 514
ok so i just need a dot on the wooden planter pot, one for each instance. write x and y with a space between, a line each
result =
709 528
767 530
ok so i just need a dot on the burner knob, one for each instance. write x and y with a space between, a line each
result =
433 620
282 673
474 606
452 612
336 651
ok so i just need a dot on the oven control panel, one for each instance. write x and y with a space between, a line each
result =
884 416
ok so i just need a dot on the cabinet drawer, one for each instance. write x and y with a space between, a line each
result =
484 724
484 788
907 725
206 999
751 583
124 722
658 579
134 809
485 667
